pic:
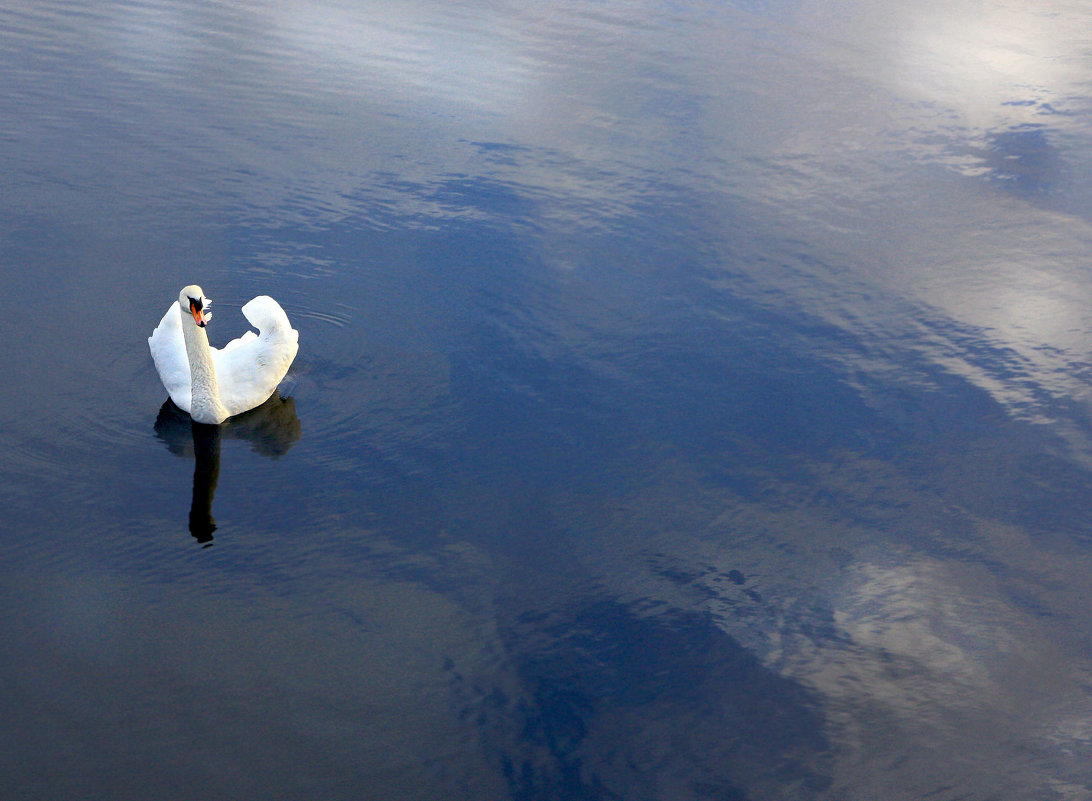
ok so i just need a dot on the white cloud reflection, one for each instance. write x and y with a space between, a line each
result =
915 661
991 247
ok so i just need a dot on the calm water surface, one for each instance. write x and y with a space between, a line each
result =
693 401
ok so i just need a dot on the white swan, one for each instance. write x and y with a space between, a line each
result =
212 384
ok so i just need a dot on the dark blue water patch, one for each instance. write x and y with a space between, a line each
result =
477 194
506 153
1024 159
1042 108
545 386
600 663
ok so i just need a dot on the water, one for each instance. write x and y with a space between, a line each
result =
692 401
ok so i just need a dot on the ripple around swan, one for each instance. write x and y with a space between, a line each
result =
339 318
335 387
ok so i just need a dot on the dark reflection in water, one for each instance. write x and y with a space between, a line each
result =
671 696
206 472
271 430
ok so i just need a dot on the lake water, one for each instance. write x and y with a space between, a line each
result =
694 401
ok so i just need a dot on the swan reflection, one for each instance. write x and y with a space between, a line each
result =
271 430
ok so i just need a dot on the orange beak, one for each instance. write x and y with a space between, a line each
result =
198 315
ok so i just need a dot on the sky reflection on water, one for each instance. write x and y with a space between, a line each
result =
692 401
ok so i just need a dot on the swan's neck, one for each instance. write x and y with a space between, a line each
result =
205 406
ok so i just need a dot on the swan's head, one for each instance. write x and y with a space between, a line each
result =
193 301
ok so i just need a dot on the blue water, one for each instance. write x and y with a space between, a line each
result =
692 401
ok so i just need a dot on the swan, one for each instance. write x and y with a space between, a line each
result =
213 384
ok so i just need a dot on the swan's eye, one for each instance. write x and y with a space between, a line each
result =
195 305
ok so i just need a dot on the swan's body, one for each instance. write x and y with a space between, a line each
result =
213 384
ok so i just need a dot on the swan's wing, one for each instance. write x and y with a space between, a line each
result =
269 318
168 348
249 335
248 369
